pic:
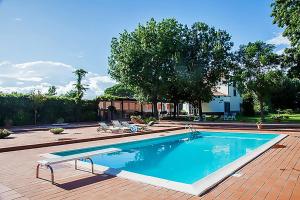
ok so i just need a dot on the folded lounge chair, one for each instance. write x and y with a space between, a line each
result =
105 128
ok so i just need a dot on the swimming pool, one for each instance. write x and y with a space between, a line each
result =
189 162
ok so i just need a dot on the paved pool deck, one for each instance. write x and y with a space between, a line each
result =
273 175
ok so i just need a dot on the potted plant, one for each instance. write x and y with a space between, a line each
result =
259 124
56 130
4 133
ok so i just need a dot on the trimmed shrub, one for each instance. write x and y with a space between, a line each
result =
19 109
57 130
4 133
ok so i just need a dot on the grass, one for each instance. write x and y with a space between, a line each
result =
290 118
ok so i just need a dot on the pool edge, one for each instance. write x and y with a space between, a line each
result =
203 185
199 187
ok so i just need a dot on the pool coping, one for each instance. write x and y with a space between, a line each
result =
81 140
197 188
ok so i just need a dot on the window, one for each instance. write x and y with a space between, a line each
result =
234 92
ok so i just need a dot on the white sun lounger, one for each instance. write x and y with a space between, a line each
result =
52 161
105 128
117 124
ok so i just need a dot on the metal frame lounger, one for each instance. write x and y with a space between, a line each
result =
103 127
87 156
117 124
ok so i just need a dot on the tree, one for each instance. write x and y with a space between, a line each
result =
207 58
51 91
286 15
257 71
285 94
120 90
37 101
79 87
144 59
71 94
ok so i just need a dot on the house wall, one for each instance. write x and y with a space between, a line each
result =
217 104
235 101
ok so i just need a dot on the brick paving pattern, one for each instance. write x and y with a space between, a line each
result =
273 175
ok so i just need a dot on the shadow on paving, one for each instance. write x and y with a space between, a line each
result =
84 181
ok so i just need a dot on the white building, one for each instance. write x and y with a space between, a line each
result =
226 100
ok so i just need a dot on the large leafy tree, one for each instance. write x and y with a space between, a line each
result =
207 57
286 93
257 71
119 90
145 58
286 14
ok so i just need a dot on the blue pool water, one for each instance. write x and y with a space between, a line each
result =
184 158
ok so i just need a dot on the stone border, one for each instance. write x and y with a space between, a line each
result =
49 144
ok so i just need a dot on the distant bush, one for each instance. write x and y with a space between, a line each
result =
288 111
56 130
4 133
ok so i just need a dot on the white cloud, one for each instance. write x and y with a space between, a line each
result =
25 77
279 40
18 19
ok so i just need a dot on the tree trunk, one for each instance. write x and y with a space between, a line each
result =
261 105
155 110
35 117
200 109
175 108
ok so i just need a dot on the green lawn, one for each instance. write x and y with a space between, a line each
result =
292 118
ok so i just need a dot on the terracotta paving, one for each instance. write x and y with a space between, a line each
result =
69 135
273 175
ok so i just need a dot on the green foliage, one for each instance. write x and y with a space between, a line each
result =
248 105
56 130
288 111
279 117
171 62
79 87
149 119
37 99
4 133
120 90
19 108
286 15
286 94
207 58
256 71
71 94
51 91
108 97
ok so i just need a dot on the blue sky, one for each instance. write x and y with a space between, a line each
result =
44 40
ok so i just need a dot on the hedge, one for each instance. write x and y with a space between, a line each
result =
19 109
